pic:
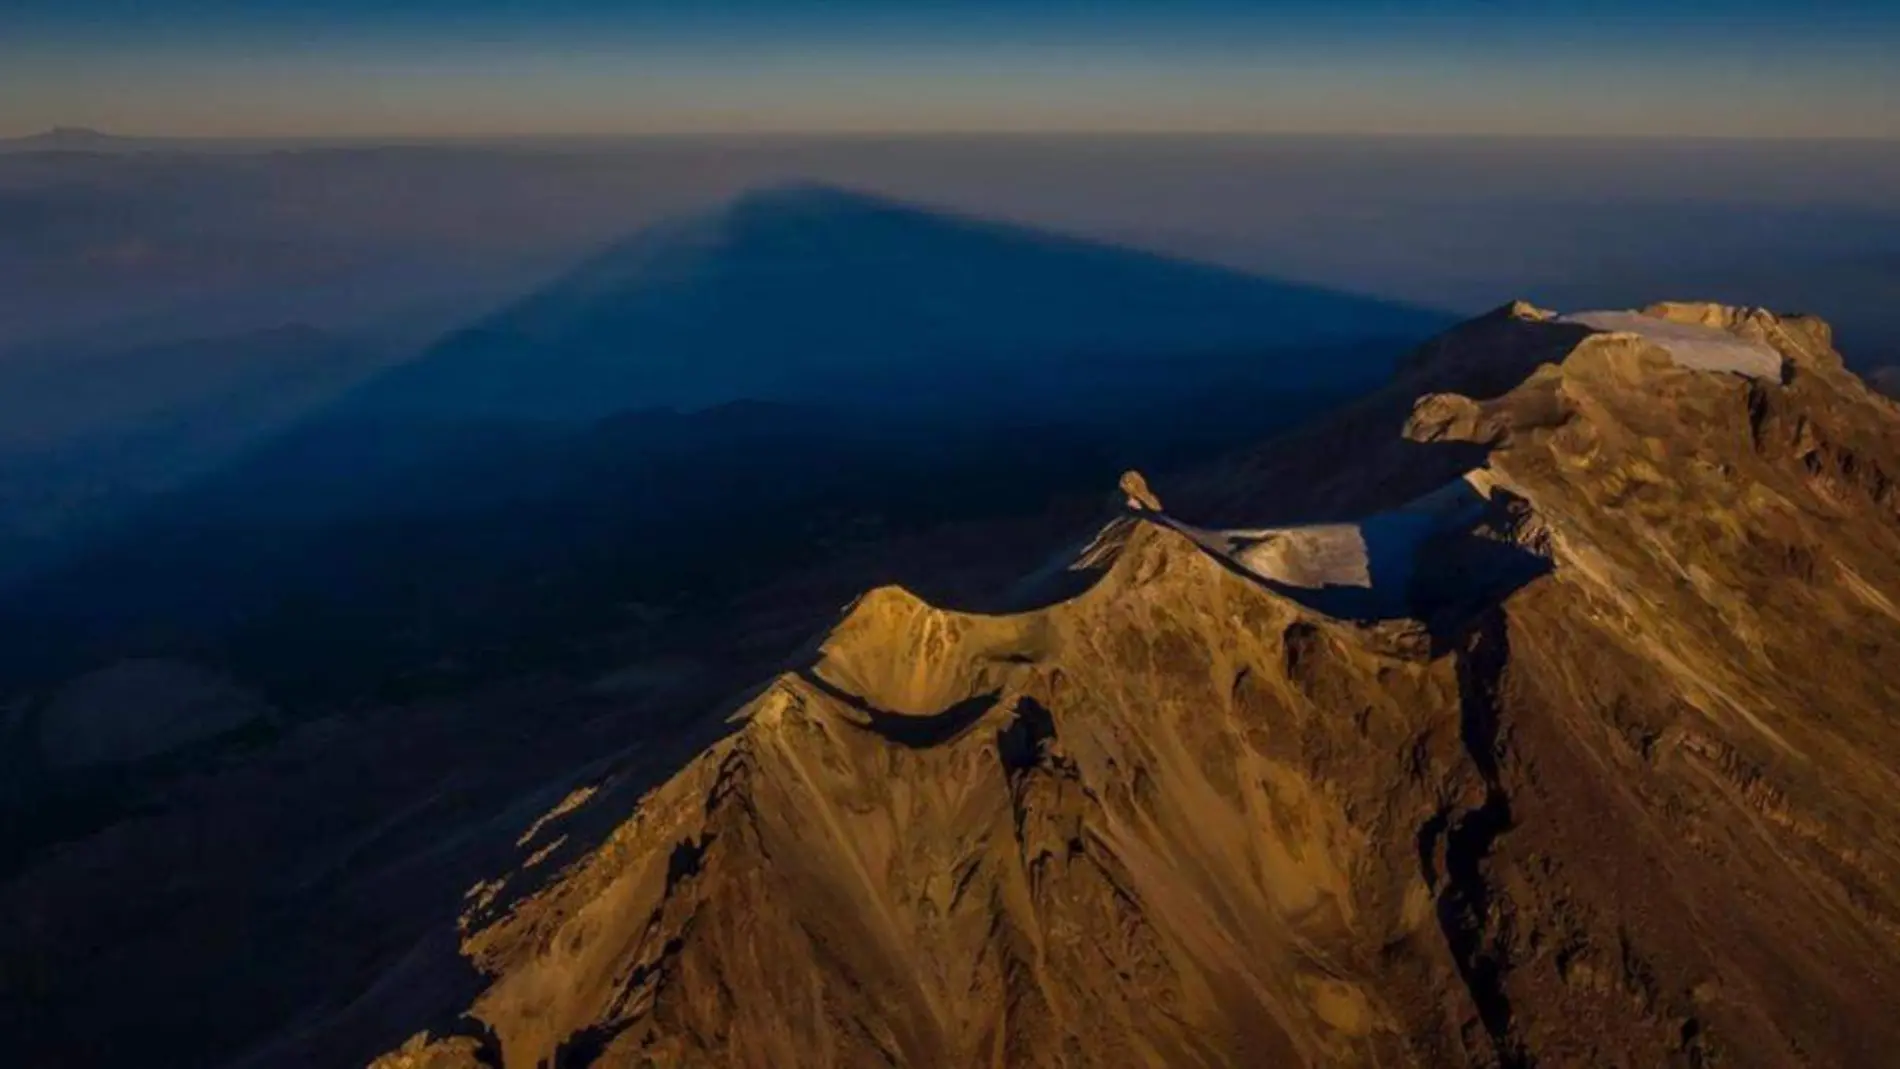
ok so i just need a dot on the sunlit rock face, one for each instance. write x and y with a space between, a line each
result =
1634 806
1690 345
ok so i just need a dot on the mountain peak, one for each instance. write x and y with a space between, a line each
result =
1496 351
1226 782
68 138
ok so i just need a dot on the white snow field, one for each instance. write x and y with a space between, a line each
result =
1374 556
1690 345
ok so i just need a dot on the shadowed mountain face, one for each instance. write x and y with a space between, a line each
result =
815 294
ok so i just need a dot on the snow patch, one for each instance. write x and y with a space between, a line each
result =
1373 558
1690 345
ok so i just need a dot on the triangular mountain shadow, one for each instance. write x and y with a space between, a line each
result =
622 436
814 293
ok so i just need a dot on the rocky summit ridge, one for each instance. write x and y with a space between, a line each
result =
1536 711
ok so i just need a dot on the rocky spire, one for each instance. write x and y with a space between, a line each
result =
1140 498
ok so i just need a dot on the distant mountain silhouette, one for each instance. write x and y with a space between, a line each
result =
65 139
812 293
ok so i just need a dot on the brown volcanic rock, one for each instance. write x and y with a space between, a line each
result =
1134 486
1636 807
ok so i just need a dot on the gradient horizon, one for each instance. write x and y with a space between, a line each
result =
207 68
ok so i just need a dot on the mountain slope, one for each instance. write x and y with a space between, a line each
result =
1632 805
815 294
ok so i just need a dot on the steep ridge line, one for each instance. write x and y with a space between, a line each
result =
1637 805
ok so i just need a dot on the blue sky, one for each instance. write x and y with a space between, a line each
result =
470 67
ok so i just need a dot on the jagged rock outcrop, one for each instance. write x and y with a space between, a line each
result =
1635 805
1134 486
